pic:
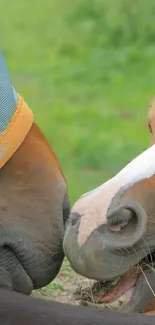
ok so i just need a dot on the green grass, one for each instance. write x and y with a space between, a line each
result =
87 70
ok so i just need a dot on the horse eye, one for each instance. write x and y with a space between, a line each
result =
150 128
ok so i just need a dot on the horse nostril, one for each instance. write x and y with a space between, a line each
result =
74 217
119 221
126 224
66 208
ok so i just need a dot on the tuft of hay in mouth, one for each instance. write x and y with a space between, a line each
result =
92 295
115 293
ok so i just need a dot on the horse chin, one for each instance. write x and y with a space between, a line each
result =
130 292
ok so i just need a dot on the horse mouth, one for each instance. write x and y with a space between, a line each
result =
130 292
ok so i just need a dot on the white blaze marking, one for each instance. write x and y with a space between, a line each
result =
93 205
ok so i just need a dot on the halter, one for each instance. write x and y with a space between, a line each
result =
16 118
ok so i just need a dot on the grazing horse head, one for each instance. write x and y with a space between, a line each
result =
110 233
34 203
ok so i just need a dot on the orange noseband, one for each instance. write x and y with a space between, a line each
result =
16 131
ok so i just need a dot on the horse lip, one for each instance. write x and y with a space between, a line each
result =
22 283
141 296
143 293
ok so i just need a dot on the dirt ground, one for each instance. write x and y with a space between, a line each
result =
63 287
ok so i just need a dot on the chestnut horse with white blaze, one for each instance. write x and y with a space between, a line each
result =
111 232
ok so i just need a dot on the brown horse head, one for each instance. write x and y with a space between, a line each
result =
111 232
34 203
